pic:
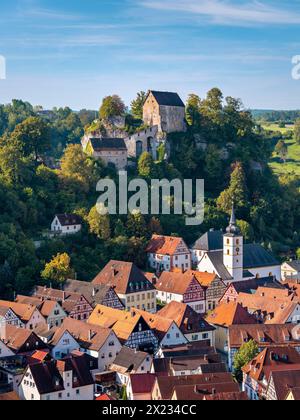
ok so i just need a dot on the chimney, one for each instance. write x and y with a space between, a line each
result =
90 335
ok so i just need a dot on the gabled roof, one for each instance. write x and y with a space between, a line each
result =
295 265
208 381
227 314
167 98
123 323
128 360
256 256
210 241
48 375
66 299
264 334
185 317
216 258
99 144
23 311
284 381
175 282
125 277
249 286
165 245
228 396
91 337
142 383
160 325
94 293
278 310
46 307
272 359
15 338
69 219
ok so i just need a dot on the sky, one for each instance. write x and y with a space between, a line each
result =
73 53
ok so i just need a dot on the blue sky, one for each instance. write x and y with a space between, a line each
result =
76 52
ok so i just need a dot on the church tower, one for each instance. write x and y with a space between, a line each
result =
233 247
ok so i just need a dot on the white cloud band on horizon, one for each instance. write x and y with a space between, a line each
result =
227 12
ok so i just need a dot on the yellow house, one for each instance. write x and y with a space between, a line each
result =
130 284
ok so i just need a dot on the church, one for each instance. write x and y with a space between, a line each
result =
230 258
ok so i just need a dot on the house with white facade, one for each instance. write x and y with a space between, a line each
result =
66 224
5 351
130 361
99 343
231 259
51 310
183 288
166 253
9 317
131 328
290 271
192 325
67 379
166 330
29 315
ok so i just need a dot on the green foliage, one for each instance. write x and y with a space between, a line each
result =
281 150
99 224
146 167
137 105
244 356
297 130
237 192
112 106
58 270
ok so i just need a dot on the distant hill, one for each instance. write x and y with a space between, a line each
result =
270 115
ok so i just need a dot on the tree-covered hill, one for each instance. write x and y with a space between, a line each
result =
222 144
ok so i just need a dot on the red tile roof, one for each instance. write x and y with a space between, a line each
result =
142 383
227 314
165 245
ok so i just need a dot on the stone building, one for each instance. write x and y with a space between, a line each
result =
164 110
143 141
112 151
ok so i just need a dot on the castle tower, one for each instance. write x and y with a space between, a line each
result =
233 247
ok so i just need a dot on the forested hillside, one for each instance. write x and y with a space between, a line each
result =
43 171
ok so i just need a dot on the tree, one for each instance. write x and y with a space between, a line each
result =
58 269
112 106
77 167
281 150
138 104
193 115
123 395
136 225
99 224
298 253
155 226
246 353
237 192
33 135
297 130
120 229
246 230
146 166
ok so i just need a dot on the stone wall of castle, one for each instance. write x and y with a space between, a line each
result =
169 119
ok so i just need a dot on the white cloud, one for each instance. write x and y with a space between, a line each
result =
227 12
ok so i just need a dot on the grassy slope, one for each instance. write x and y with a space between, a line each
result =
293 161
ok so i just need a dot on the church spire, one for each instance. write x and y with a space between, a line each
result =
233 228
